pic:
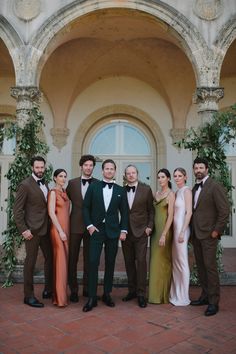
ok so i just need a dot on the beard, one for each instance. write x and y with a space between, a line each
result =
38 174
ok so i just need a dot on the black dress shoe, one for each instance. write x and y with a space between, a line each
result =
199 302
108 300
32 301
129 297
46 294
90 304
74 297
211 310
142 301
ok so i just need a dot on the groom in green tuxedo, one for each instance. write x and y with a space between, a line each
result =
105 211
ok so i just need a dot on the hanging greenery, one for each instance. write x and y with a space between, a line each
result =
29 144
210 141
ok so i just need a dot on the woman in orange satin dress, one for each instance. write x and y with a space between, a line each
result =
58 209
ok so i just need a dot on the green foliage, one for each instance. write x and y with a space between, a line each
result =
29 144
209 141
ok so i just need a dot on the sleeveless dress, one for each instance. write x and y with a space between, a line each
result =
160 258
60 248
179 293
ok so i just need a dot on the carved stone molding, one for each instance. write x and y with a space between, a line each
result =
177 134
27 98
207 98
59 136
208 9
26 10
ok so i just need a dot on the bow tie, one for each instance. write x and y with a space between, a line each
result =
109 184
197 185
85 180
41 181
129 188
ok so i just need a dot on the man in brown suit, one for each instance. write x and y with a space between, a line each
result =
31 217
141 221
210 215
76 191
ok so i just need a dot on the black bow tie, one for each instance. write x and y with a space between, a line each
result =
197 185
129 188
109 184
85 180
41 181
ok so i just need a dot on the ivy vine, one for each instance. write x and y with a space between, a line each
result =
29 144
210 141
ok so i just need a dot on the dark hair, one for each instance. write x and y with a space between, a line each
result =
37 158
201 160
131 166
58 171
168 175
108 161
182 170
85 158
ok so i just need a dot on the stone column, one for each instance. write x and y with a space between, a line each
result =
27 97
207 99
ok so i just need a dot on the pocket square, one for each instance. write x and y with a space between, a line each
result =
118 195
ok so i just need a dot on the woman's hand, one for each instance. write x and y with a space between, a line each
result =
63 235
181 237
162 241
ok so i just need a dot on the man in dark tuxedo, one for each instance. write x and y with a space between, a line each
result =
210 215
105 211
76 191
141 222
31 217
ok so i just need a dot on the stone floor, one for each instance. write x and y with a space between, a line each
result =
123 329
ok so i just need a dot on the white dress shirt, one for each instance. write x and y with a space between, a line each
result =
41 186
196 195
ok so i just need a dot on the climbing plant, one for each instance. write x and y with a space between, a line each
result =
210 141
28 145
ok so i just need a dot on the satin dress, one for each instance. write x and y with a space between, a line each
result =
160 258
60 248
179 293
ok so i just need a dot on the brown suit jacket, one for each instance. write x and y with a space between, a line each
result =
74 193
30 208
141 215
212 210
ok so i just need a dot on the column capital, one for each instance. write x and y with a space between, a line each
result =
59 136
27 98
177 134
207 98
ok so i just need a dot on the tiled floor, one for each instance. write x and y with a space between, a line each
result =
123 329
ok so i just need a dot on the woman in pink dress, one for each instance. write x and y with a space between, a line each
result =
58 209
179 291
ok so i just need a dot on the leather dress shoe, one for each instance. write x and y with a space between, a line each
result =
142 301
33 302
74 297
199 302
90 305
129 297
108 300
211 310
46 294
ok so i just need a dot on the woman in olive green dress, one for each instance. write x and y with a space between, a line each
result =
161 241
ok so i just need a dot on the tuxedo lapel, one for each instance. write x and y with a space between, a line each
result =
136 197
114 194
203 191
37 188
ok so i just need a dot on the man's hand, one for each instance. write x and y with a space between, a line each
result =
215 234
92 229
122 236
27 235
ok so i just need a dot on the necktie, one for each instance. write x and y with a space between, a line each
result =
84 180
41 181
129 188
197 185
104 184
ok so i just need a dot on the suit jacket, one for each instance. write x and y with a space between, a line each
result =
116 216
141 215
76 216
212 209
30 208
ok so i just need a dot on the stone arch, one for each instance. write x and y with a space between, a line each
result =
192 42
223 41
128 111
13 43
